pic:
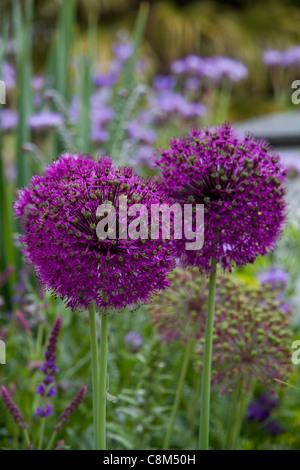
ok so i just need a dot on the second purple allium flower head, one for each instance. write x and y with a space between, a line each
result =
241 184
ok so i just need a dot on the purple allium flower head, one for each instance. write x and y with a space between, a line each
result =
133 340
13 408
59 222
71 408
275 277
9 119
45 120
242 186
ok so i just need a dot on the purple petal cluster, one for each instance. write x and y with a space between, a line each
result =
49 367
133 340
260 408
44 411
287 58
71 408
13 408
8 75
58 211
275 277
45 120
241 184
9 119
213 68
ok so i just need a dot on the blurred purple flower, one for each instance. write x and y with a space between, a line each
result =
143 157
292 56
108 80
9 119
37 82
123 50
272 57
137 132
276 277
274 427
45 120
8 75
44 411
133 341
163 83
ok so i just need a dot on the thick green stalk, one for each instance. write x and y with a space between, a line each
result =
103 379
206 373
95 373
188 351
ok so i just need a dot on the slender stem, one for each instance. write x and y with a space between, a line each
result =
26 437
103 380
52 439
239 417
95 373
188 350
41 435
206 373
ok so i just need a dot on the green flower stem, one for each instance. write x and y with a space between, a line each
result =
95 373
51 441
41 434
103 380
27 440
206 373
240 407
188 351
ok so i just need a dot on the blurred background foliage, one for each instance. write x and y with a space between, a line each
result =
239 29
